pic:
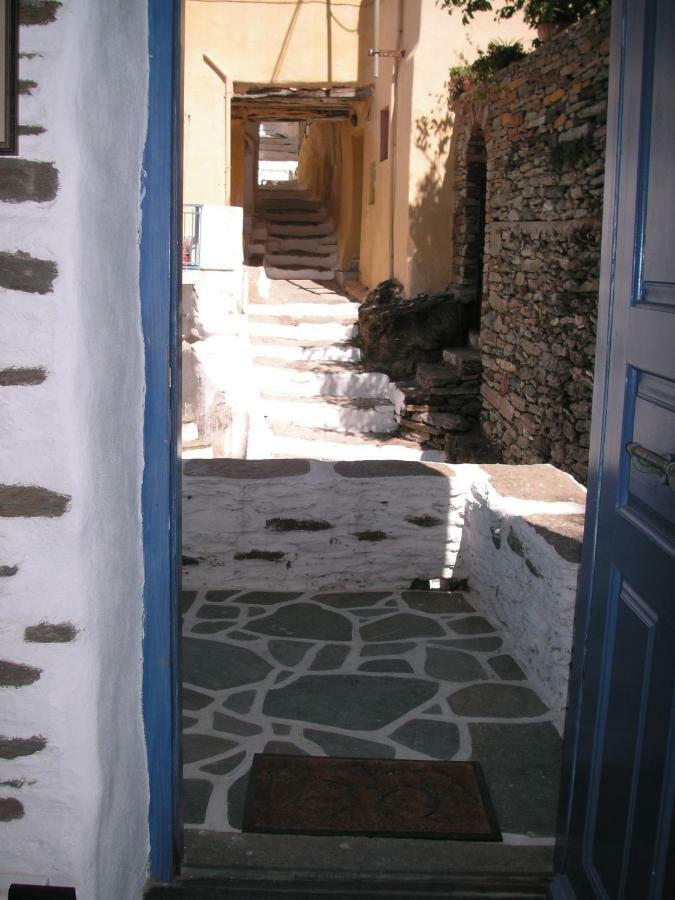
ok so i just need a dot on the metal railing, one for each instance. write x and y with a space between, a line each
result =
192 216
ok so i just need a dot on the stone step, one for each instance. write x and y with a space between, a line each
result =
325 244
465 360
256 249
291 273
334 413
305 332
200 452
294 441
285 348
295 229
301 216
433 375
312 378
300 259
279 204
315 312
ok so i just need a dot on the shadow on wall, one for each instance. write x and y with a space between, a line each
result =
431 215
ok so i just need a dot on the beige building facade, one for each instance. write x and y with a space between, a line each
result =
378 141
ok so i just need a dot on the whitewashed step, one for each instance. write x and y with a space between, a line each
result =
293 441
303 331
288 273
300 258
301 216
334 413
293 229
281 348
314 378
200 452
307 312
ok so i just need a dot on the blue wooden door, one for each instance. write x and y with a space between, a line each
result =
619 779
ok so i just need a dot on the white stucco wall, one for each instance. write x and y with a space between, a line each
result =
85 795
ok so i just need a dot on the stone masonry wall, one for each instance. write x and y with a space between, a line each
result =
543 122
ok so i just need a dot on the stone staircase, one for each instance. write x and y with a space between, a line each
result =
441 407
293 234
316 398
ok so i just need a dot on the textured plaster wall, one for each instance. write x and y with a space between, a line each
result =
81 801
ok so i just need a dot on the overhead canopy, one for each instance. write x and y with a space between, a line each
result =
286 102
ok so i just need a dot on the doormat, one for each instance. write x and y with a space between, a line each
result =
371 797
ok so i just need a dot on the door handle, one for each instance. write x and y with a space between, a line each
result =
650 463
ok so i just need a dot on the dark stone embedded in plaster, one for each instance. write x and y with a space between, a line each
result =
387 468
50 633
25 88
17 675
214 611
11 748
29 501
499 701
195 700
231 725
217 666
268 598
471 625
219 596
515 543
356 702
210 627
188 721
240 702
23 180
189 561
452 665
38 12
496 535
30 130
284 525
480 644
15 782
387 649
564 533
186 600
279 728
304 620
334 744
236 798
329 657
288 653
507 668
243 636
196 795
372 536
8 571
401 626
23 272
203 746
223 766
514 756
440 740
245 468
284 748
437 602
386 665
351 599
22 377
535 482
10 809
424 521
531 566
264 555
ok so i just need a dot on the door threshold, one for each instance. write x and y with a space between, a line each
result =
301 865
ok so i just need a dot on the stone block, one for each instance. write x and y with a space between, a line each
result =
48 633
23 272
14 377
12 748
17 675
30 501
23 180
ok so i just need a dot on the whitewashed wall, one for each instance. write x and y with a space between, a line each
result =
80 803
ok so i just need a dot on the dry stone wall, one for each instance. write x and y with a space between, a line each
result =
543 125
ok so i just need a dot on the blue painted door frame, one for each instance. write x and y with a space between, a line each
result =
160 311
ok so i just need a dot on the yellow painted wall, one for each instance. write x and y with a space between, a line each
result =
423 201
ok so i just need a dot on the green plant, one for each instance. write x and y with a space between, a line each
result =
498 55
460 76
535 12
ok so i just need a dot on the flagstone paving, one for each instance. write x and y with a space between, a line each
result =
404 675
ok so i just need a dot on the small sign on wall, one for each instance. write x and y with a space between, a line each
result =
8 75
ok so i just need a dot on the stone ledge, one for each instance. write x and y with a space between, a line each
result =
23 180
22 377
539 482
30 501
563 532
394 468
245 468
12 748
17 675
23 272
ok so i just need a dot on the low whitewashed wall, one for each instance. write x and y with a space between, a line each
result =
513 531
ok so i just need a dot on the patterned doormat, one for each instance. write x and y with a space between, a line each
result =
373 797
